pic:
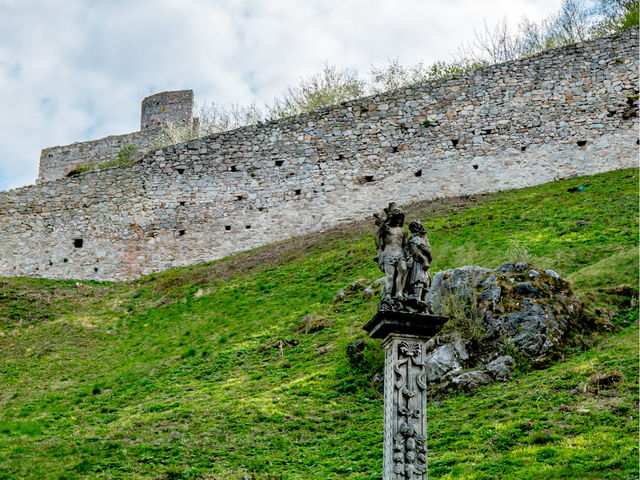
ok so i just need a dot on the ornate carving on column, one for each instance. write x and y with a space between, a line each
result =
405 422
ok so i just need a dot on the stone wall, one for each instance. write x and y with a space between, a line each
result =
166 107
57 162
563 113
156 111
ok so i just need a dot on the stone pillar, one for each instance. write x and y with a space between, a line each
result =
405 404
405 390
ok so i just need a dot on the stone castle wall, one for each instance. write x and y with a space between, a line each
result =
57 162
562 113
156 111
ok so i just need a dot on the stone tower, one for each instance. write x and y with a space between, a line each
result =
165 107
157 110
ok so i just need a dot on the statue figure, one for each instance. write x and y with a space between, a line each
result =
391 241
420 251
405 262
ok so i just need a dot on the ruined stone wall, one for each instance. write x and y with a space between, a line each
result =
563 113
57 162
156 111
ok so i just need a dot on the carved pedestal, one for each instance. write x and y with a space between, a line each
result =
405 391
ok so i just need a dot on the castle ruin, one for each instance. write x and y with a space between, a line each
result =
157 111
562 113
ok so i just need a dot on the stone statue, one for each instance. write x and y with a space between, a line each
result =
419 280
405 323
404 260
391 241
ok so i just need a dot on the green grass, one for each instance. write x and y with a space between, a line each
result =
205 371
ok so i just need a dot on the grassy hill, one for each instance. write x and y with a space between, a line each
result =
237 368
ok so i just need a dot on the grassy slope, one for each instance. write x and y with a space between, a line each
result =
177 376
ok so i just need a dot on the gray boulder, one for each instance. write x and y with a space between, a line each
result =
441 363
469 381
495 314
458 282
501 368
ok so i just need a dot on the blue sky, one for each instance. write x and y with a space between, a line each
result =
77 70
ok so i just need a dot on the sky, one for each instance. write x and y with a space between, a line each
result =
77 70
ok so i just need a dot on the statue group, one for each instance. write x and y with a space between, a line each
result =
405 324
404 259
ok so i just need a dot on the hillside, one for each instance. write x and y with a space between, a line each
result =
238 367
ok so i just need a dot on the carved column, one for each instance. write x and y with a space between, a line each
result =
405 390
405 403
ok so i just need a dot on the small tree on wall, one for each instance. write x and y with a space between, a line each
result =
330 86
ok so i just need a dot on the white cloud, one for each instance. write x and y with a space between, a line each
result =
77 70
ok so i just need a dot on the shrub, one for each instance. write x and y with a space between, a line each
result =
463 317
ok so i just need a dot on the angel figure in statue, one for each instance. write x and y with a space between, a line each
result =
420 258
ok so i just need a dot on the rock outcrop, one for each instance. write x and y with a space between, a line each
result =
499 319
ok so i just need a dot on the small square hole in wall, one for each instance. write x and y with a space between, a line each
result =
418 173
368 178
523 148
182 203
233 168
454 142
340 156
239 197
475 167
247 227
78 243
297 191
394 149
581 143
180 170
279 163
227 227
181 232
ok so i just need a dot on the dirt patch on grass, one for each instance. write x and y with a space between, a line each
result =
24 302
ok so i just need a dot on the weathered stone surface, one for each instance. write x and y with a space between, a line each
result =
497 313
460 282
442 362
525 288
386 322
551 273
469 381
263 183
501 368
491 291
